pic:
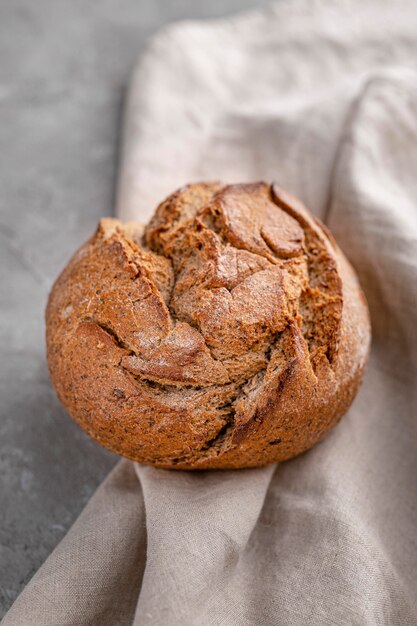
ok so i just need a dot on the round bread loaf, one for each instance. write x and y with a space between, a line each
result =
231 332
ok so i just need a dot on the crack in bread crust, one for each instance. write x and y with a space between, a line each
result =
209 317
214 231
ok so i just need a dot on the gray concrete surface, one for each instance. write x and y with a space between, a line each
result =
64 67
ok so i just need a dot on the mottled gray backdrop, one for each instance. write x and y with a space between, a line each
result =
64 67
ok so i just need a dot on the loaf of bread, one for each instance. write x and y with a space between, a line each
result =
230 332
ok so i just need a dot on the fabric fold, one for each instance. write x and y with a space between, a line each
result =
200 525
94 575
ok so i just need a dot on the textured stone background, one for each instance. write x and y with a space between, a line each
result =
64 67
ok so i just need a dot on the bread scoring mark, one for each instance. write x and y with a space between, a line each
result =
248 425
109 331
321 302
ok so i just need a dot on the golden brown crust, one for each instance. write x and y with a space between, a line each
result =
231 333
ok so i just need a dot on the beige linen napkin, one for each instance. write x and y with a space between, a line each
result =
322 97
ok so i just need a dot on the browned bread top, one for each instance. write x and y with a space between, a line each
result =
231 332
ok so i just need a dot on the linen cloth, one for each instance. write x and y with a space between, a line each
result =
322 97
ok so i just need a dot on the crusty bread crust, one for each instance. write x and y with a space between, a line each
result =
231 332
